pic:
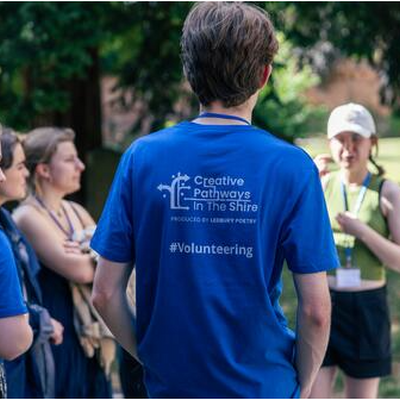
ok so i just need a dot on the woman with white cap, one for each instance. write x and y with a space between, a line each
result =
364 210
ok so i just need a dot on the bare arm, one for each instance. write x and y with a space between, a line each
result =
387 250
110 299
15 336
49 246
313 325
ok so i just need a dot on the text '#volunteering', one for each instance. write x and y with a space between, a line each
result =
211 249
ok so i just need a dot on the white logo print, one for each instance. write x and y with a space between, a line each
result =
212 194
176 191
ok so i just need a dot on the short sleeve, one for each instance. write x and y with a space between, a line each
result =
11 300
307 238
113 238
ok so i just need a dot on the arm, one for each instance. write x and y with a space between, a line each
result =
110 299
313 325
388 251
43 325
15 336
73 266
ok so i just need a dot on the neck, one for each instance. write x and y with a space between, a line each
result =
2 201
354 177
52 199
244 110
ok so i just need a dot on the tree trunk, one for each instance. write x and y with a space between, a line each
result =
84 116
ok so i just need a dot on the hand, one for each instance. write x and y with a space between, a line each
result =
350 224
72 247
322 161
83 238
57 335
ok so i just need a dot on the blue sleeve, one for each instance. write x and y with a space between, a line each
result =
11 301
114 238
307 238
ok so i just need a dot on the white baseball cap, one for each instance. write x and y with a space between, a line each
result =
351 117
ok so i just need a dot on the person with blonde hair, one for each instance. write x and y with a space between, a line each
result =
58 231
364 210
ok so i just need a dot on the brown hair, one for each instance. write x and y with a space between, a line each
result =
40 145
379 169
224 49
8 141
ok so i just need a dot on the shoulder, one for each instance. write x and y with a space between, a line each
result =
28 215
158 139
285 153
292 152
389 196
390 189
26 211
82 213
294 163
152 146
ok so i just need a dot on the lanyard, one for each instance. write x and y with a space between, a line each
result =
55 219
363 191
223 116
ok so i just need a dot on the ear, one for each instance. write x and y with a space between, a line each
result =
266 74
43 171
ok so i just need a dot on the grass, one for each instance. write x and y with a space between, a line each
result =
389 158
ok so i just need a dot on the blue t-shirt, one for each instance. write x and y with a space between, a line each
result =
11 301
209 213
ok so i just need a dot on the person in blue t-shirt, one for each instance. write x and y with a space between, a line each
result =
208 211
32 374
15 332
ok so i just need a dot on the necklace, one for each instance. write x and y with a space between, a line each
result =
70 232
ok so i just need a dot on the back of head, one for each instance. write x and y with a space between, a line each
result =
40 145
225 48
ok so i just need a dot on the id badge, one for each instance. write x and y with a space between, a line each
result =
348 277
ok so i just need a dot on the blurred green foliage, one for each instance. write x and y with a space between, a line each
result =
53 54
282 107
367 30
43 46
47 51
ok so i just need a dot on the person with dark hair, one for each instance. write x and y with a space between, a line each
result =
15 332
364 209
32 374
58 231
207 211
